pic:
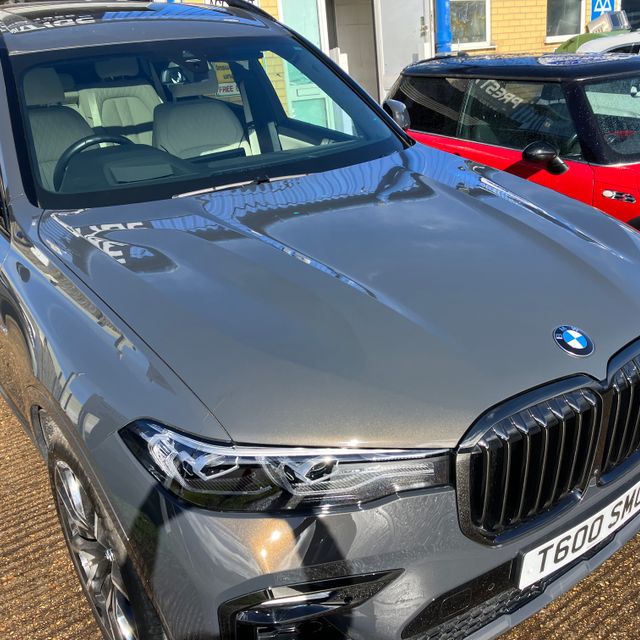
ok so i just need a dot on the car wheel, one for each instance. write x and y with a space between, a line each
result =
115 592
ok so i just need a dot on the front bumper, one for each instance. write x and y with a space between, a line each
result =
194 561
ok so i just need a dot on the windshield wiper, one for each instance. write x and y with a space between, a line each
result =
236 185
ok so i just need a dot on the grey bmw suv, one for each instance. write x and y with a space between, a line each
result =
293 375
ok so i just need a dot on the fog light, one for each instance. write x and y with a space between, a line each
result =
308 610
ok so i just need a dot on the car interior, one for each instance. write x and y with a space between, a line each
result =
616 108
538 111
96 124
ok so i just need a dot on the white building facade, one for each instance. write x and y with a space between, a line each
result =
372 39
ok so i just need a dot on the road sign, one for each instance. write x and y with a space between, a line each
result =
598 7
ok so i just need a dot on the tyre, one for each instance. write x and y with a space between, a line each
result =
113 588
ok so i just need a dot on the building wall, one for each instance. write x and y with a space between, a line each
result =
519 26
271 6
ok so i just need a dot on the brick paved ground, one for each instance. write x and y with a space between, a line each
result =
40 598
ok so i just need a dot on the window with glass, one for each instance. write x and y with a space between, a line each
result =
141 122
564 17
469 21
513 114
632 7
616 107
434 104
628 48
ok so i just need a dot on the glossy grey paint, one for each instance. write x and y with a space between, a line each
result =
197 560
354 306
392 305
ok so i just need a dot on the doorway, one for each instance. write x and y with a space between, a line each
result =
304 99
351 29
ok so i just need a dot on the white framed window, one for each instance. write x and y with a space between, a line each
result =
565 18
470 24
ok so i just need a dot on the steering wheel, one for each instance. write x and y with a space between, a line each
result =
77 147
569 145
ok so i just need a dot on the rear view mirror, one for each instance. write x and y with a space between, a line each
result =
399 112
546 155
173 75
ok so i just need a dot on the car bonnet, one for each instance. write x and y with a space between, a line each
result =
389 303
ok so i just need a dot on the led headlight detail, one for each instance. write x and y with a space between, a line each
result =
238 478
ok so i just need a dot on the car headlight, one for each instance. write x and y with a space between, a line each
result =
240 478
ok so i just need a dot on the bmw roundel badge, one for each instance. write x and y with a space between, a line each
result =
574 341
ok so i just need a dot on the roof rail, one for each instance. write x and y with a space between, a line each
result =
247 5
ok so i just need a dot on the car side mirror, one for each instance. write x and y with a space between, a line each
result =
399 112
546 155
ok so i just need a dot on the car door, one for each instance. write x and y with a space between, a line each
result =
492 121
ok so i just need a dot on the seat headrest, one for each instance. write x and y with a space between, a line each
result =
42 87
122 67
67 81
208 87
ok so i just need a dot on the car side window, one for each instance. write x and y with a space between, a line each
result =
628 48
434 104
514 114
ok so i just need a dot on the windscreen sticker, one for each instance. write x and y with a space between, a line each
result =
17 24
24 25
499 93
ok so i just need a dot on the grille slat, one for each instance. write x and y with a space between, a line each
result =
560 417
580 430
591 433
508 459
635 442
613 437
544 458
526 455
569 450
537 450
533 459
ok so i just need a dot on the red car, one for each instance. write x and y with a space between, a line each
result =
568 122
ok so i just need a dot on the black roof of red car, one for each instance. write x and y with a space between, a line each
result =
555 66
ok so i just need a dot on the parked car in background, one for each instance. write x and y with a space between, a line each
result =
568 122
625 41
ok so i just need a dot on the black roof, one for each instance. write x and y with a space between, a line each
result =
45 26
553 66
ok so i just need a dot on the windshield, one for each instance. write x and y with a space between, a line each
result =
616 107
155 120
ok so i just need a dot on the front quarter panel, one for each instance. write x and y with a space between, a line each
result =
74 358
617 191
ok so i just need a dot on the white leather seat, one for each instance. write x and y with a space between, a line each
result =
54 127
123 104
194 125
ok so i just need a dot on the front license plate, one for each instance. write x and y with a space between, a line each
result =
563 549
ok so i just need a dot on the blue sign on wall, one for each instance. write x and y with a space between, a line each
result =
598 7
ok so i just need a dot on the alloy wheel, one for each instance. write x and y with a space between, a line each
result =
94 555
